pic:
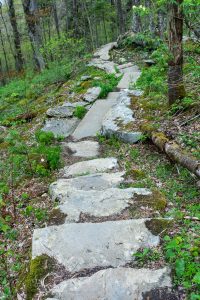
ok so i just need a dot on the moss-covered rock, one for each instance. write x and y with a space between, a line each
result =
155 201
136 174
158 226
39 268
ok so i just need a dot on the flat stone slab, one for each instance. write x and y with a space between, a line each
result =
103 52
62 187
92 122
92 94
93 166
85 149
98 203
119 121
79 246
113 96
61 127
127 79
114 284
131 70
107 66
60 112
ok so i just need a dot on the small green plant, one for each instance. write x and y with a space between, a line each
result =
146 255
80 112
45 138
134 153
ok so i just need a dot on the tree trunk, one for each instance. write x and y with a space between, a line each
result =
17 42
55 15
175 153
137 25
176 88
75 18
4 51
121 23
32 20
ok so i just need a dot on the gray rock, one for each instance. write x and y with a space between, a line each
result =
114 284
107 66
98 203
137 93
62 187
60 112
75 104
79 246
85 78
103 52
124 66
91 124
84 149
149 62
2 129
61 127
93 166
119 121
128 79
92 94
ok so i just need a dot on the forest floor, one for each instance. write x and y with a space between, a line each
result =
22 150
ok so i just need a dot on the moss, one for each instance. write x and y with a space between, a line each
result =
160 139
158 226
147 127
56 217
156 200
136 174
39 268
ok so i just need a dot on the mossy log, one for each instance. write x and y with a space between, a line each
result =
175 153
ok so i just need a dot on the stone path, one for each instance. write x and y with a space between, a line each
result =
97 241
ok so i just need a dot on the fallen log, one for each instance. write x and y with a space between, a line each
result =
175 153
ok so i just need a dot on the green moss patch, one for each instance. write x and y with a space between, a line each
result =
158 226
39 268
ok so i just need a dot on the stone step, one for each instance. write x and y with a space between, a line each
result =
101 181
92 122
116 284
86 149
79 246
130 70
113 95
127 79
103 52
98 206
119 121
107 66
93 166
61 127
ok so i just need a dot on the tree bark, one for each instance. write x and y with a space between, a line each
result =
137 25
176 88
121 23
17 42
55 15
32 20
175 153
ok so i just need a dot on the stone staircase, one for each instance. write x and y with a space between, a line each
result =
97 241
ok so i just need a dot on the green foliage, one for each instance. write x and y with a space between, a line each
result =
107 84
143 256
183 253
80 112
44 138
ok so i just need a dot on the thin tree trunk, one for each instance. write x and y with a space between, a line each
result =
55 15
137 25
32 20
4 51
176 88
121 23
17 42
